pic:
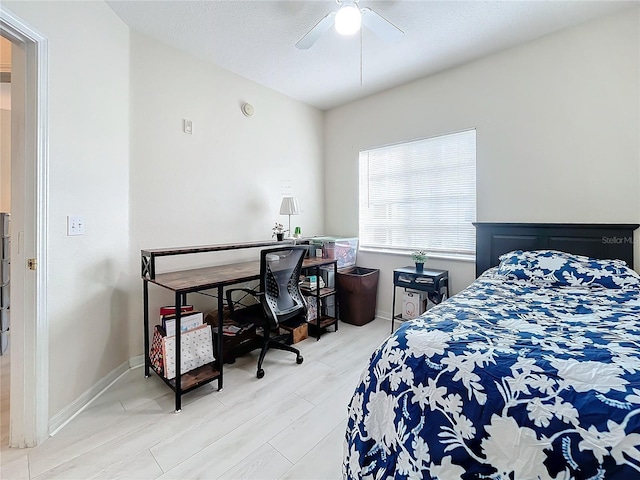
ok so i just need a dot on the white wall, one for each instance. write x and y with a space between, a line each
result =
87 288
557 134
223 183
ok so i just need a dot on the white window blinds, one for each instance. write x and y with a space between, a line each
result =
420 195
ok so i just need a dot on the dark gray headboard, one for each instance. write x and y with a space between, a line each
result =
598 240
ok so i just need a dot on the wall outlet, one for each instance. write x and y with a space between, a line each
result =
187 126
75 225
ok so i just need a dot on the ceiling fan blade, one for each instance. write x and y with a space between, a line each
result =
382 27
316 32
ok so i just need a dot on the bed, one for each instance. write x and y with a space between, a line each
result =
532 372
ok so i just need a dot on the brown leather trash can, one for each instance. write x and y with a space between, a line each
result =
357 294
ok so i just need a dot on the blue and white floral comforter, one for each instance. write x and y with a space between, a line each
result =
509 379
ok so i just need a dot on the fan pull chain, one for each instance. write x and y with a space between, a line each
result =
361 56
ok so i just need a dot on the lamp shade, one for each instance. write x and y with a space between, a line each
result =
289 206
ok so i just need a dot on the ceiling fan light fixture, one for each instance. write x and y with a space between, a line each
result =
348 19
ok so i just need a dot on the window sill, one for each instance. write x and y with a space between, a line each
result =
459 257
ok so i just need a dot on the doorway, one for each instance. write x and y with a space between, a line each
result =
28 351
5 210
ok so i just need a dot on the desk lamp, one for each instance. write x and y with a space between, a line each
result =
289 206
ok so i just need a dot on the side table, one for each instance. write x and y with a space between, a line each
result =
432 281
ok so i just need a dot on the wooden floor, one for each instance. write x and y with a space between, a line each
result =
288 425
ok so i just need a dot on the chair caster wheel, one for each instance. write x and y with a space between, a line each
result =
260 373
299 359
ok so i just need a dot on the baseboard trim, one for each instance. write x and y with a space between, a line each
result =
135 362
62 418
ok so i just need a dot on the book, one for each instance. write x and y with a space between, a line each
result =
171 309
188 321
232 329
311 283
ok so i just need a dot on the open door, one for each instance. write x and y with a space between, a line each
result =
29 332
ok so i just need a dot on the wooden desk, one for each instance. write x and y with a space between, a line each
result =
197 280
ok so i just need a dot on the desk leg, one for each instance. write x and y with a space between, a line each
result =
178 357
145 303
220 323
393 308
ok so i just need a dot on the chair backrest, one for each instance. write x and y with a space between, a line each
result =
279 280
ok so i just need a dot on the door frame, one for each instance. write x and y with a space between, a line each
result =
29 397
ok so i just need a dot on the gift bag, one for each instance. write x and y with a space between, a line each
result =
196 349
155 352
312 309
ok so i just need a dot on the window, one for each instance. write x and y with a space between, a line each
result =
420 194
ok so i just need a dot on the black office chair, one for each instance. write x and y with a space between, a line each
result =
279 298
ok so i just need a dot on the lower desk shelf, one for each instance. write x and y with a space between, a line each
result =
193 378
234 346
325 321
317 326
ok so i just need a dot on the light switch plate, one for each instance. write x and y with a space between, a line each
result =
188 126
75 225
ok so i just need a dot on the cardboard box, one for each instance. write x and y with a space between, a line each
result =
298 332
413 304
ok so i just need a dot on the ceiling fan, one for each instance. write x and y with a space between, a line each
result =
347 20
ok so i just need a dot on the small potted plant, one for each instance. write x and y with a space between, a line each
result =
278 231
419 257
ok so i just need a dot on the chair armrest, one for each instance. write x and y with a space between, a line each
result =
248 291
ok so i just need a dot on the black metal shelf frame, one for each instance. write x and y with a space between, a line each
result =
321 322
176 384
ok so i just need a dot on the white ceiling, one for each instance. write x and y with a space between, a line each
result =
256 38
